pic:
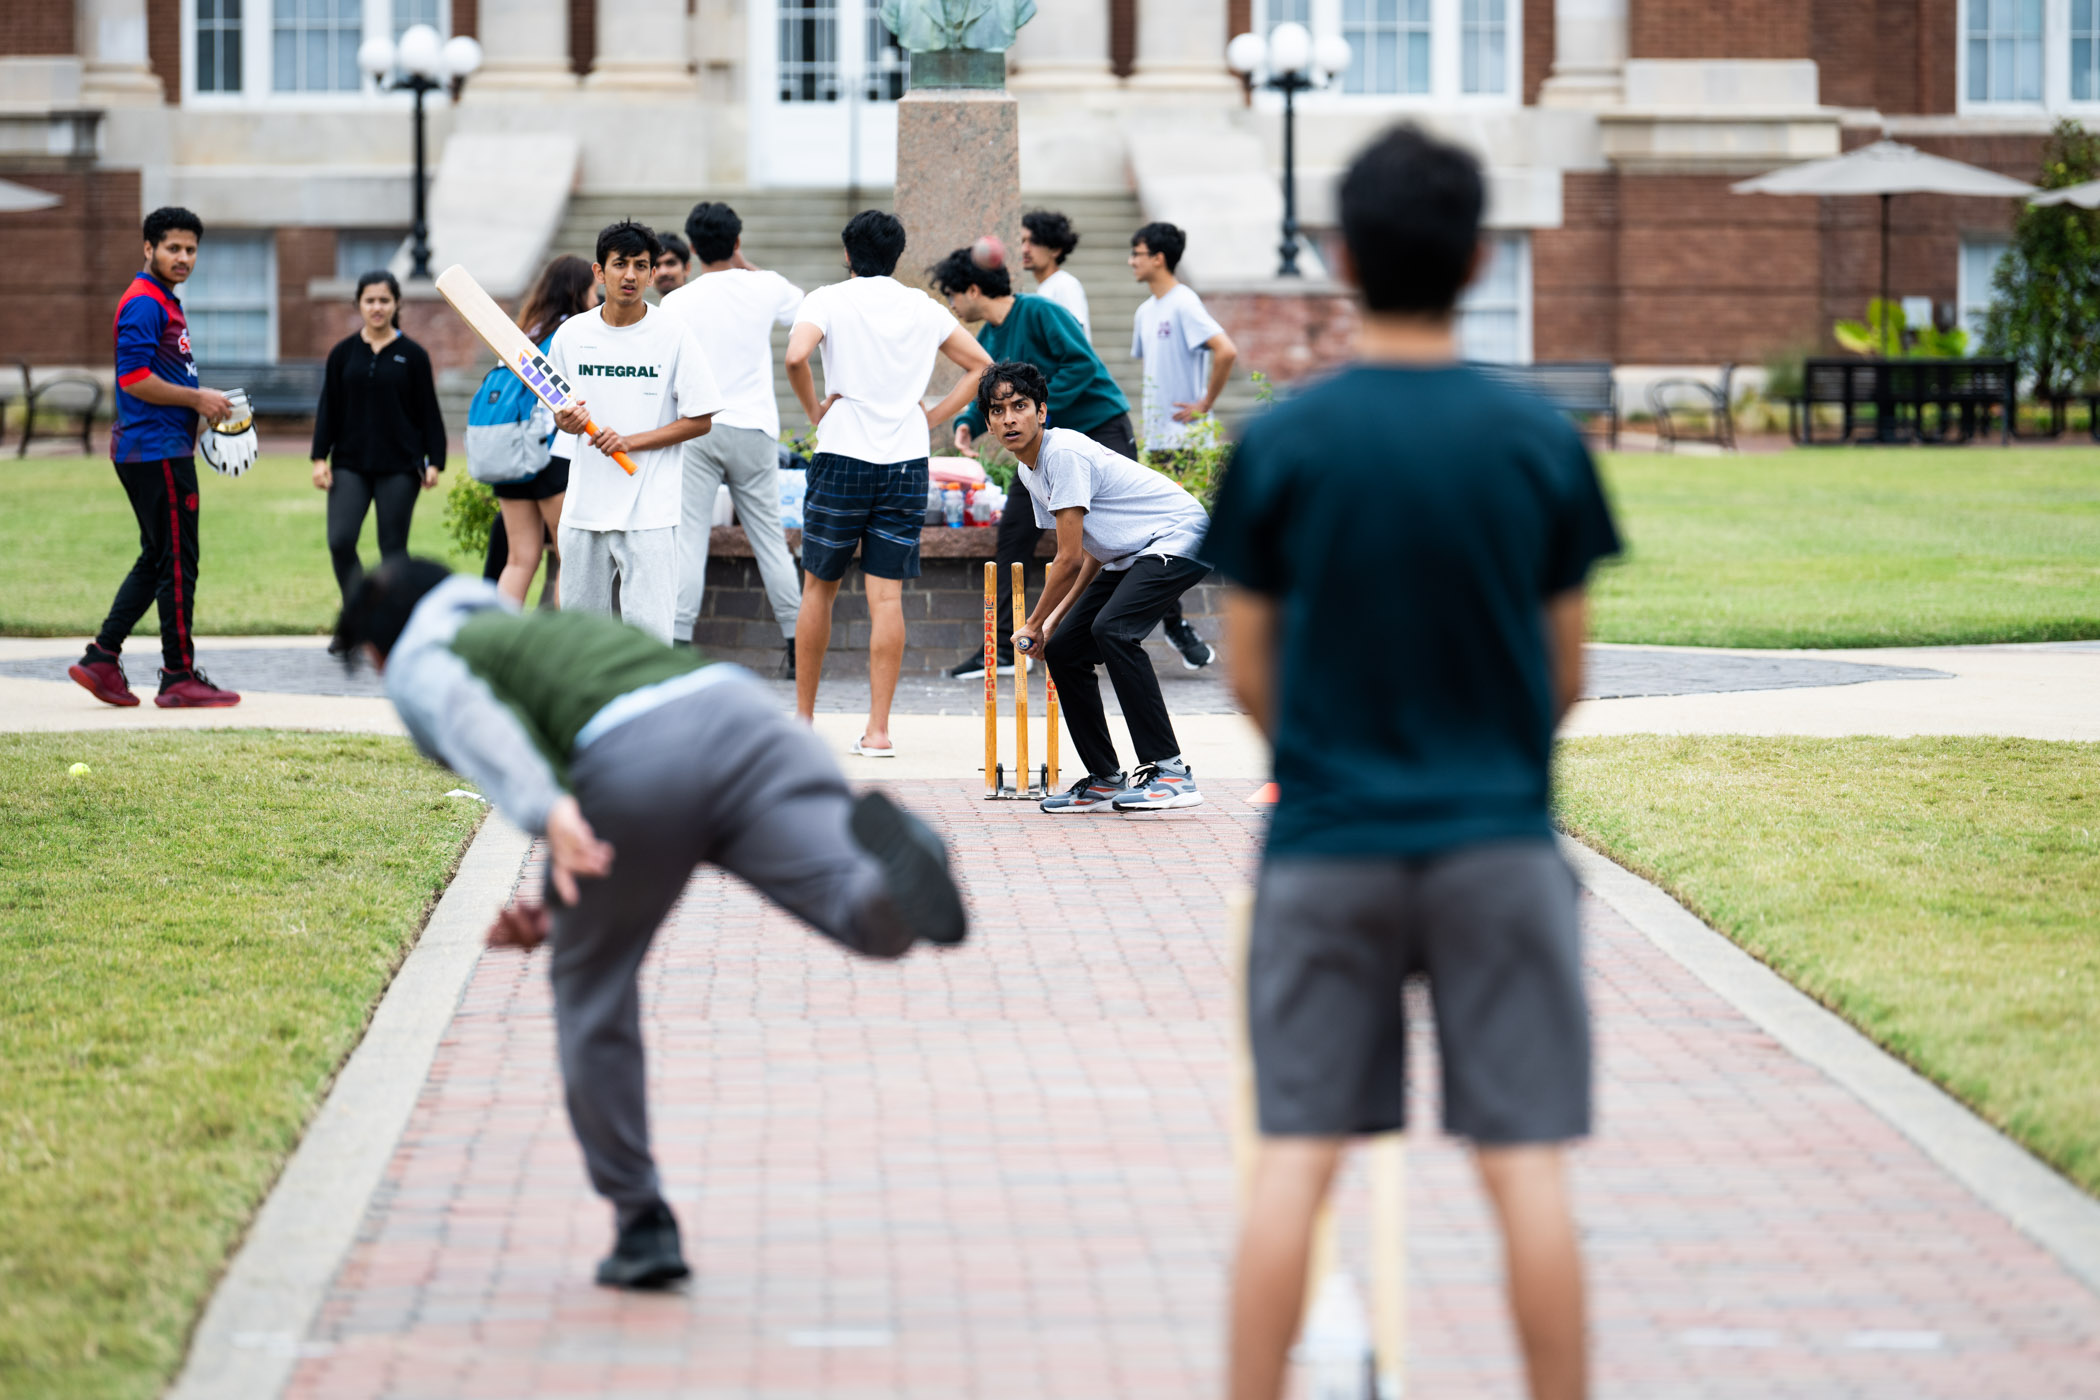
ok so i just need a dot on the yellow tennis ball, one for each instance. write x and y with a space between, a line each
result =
79 770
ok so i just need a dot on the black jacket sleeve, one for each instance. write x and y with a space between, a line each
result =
328 415
423 406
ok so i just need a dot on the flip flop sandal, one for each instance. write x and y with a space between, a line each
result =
890 752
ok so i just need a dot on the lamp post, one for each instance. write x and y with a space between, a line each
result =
420 63
1289 61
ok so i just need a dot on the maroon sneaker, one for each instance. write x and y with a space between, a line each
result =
102 676
192 690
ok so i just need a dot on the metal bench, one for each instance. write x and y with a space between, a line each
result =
288 390
1931 401
1692 410
68 393
1579 388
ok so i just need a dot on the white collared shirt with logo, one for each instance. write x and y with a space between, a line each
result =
631 379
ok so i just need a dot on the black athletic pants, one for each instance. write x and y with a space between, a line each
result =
1019 534
164 498
353 494
1108 626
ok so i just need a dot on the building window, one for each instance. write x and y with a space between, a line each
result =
1979 263
362 250
809 51
1483 60
408 13
1388 45
1494 315
1290 12
2004 50
2085 50
314 45
218 45
229 298
888 70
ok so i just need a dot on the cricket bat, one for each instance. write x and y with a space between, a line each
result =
512 346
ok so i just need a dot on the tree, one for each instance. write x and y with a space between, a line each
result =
2045 294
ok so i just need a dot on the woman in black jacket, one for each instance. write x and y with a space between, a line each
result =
378 436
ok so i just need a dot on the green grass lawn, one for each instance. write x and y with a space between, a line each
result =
1833 548
1849 547
191 939
67 537
1943 895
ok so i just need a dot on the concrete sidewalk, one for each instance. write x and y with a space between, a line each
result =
1004 1172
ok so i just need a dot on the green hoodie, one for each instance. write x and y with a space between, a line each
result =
1040 332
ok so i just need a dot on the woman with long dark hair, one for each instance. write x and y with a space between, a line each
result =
531 508
378 436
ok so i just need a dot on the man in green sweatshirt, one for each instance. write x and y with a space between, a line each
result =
636 762
1083 397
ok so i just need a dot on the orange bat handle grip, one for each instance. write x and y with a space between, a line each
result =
626 462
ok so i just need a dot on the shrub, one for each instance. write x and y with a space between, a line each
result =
470 513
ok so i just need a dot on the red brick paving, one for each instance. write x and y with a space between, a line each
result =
1004 1172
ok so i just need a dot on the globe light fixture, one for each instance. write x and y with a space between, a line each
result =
420 63
1290 61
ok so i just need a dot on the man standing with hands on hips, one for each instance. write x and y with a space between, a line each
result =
159 403
652 389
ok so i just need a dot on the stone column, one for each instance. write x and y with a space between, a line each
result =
524 48
1589 54
940 132
1181 48
1064 47
642 49
112 45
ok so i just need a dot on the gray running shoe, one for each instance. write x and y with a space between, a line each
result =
1094 793
1157 787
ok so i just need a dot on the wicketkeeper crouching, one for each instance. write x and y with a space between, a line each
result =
637 763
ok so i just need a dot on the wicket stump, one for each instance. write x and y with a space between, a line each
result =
995 785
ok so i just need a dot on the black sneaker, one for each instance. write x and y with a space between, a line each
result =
787 661
1195 652
923 901
971 667
646 1253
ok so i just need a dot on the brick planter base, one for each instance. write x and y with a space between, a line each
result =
943 607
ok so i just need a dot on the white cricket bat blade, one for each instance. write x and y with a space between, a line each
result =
501 334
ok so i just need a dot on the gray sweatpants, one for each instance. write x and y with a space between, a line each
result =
747 460
628 574
720 775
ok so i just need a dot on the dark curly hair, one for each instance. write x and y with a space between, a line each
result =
957 273
1021 379
1049 229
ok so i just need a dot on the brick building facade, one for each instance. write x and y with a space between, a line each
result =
1612 130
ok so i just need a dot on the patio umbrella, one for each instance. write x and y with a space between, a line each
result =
1886 168
2085 196
22 199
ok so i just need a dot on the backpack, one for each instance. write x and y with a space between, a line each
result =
508 428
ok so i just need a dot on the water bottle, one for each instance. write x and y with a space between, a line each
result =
952 505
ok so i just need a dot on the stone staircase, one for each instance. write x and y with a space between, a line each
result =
796 233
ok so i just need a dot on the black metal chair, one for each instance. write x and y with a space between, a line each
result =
1582 389
1692 410
69 393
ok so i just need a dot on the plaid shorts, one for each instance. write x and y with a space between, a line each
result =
877 508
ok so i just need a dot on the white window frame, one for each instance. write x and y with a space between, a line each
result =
1967 295
258 47
1445 77
2056 97
268 239
1518 241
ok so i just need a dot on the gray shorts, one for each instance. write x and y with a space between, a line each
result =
1495 930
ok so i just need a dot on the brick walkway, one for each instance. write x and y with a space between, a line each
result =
1004 1172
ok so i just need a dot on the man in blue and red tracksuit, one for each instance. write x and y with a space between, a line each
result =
158 405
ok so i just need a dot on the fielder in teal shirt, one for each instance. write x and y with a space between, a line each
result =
1037 331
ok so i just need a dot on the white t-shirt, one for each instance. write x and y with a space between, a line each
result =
631 379
1169 337
732 314
1131 510
1064 289
880 338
